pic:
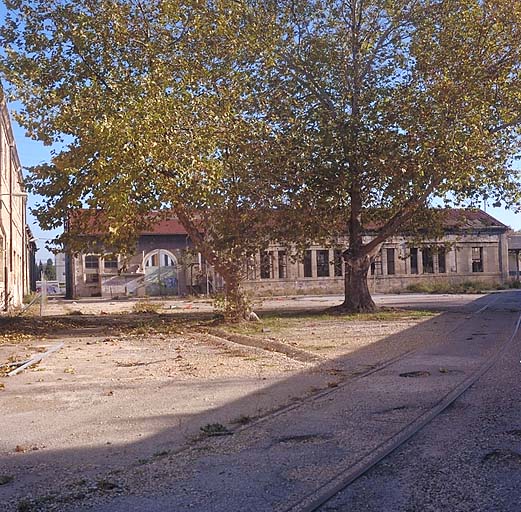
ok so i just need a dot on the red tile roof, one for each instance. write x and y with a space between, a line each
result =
94 222
470 219
166 227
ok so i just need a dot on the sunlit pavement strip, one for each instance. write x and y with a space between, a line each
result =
273 465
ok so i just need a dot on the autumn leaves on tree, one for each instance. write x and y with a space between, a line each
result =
329 113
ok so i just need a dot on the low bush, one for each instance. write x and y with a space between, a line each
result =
147 306
443 287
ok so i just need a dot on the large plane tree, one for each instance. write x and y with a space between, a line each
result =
386 105
153 107
355 111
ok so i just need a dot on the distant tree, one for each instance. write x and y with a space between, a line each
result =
50 270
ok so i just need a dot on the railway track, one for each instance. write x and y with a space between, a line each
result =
326 491
299 457
362 375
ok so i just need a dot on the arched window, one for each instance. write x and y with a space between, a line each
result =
160 258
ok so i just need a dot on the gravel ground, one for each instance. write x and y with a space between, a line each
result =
100 424
468 459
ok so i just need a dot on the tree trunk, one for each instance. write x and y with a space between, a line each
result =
236 306
357 297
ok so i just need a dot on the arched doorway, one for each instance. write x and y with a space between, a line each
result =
161 273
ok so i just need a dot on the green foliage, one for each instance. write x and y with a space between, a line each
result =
475 286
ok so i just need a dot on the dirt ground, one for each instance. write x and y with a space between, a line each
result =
127 387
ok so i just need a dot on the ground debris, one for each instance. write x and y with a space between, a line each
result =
6 479
130 364
215 429
35 359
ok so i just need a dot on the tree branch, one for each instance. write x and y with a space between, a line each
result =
397 220
311 83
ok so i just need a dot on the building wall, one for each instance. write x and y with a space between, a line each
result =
14 243
476 256
490 266
131 276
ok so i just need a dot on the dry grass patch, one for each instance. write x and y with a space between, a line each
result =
277 323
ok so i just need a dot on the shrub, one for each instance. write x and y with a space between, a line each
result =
444 287
146 306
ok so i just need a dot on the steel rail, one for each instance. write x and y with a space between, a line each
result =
378 367
325 492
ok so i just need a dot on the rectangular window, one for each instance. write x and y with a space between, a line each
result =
92 278
307 264
266 265
477 259
442 260
338 262
250 269
110 263
91 261
391 269
323 263
283 264
376 265
414 260
427 260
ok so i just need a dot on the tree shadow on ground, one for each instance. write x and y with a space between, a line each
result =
36 472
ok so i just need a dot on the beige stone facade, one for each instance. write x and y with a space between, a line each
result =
470 256
474 248
15 238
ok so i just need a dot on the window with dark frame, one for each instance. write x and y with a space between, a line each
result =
266 265
442 260
283 264
323 263
376 265
110 263
338 262
92 278
414 260
249 267
427 261
477 259
391 267
308 272
91 261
